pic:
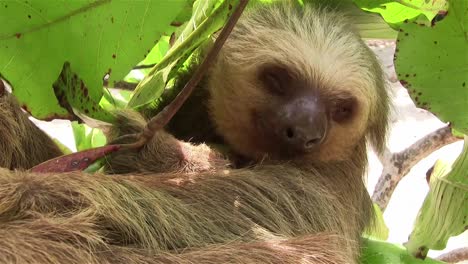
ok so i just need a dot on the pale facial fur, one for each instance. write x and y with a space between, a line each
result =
318 47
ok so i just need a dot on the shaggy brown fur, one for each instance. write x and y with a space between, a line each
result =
95 213
316 201
163 153
22 144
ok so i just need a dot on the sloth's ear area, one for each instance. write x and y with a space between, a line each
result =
377 134
379 123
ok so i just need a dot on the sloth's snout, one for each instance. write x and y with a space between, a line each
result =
303 124
303 138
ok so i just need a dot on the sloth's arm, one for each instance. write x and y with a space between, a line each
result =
55 241
173 212
163 153
22 144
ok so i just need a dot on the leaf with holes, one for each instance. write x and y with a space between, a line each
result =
97 37
71 93
432 63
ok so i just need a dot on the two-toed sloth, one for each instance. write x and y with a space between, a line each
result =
22 144
295 91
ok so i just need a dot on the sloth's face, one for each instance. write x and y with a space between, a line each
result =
277 112
292 84
300 114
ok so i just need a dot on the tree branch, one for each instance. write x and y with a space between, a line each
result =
2 88
125 85
397 165
454 256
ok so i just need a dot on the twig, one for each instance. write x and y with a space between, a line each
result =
162 118
454 256
125 85
2 88
397 165
144 66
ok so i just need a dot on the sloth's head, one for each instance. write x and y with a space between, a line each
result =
297 83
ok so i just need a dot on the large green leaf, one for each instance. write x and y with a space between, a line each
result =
432 63
72 92
97 38
158 52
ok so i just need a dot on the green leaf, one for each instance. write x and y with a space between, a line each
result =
368 25
97 37
445 210
153 57
199 28
115 99
86 137
371 26
72 93
380 252
153 86
432 63
378 229
396 12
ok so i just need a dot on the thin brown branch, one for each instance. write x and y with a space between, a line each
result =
2 88
399 164
125 85
454 256
162 118
144 66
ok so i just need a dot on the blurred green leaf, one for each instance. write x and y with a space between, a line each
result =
379 229
445 210
115 99
380 252
97 38
396 12
86 137
370 25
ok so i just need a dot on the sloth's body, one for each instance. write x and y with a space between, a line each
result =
298 93
22 144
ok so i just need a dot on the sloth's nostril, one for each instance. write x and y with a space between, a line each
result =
289 133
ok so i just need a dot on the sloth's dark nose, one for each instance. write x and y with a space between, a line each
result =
304 137
304 125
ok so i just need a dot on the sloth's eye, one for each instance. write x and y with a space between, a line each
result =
344 109
276 79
